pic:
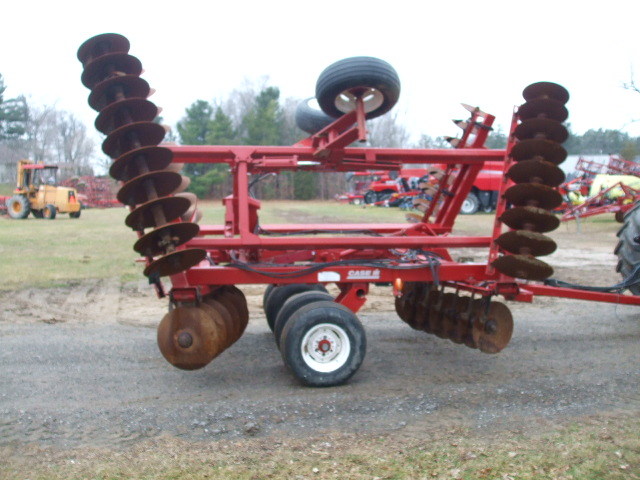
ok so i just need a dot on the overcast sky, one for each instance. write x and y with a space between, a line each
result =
446 52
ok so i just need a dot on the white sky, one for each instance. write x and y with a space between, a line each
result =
446 52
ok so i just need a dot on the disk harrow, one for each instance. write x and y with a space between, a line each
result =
320 337
532 167
476 322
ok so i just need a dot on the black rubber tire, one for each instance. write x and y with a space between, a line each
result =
385 195
37 213
355 72
49 212
470 205
281 294
627 249
76 214
293 303
265 296
370 197
309 119
18 207
304 321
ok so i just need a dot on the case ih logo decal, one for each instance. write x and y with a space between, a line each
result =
363 274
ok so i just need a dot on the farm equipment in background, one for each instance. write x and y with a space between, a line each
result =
95 192
612 187
320 337
36 192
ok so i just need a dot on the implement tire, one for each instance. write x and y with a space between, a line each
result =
628 248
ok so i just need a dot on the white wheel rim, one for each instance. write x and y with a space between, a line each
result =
372 98
325 347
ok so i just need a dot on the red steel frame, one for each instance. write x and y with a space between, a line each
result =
242 239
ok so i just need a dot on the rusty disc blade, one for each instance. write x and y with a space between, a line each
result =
124 112
492 329
432 323
184 184
239 301
188 215
400 302
546 90
523 266
140 160
533 195
111 89
144 216
237 306
156 242
539 149
227 322
526 243
543 108
102 44
175 167
189 337
438 321
418 306
536 171
131 137
541 128
530 218
109 65
458 319
175 262
136 190
198 216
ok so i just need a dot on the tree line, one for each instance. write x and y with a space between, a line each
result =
42 134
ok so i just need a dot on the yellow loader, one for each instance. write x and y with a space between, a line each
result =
37 193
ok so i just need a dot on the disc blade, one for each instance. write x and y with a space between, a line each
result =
546 90
541 128
539 149
140 160
492 330
175 262
189 337
457 315
145 215
131 137
226 325
156 242
536 171
526 243
101 45
109 65
124 112
128 86
530 218
523 266
543 108
533 195
136 191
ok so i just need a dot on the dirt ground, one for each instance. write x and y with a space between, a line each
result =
81 369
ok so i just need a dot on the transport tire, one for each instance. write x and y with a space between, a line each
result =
281 294
18 207
294 303
323 344
470 205
265 296
49 212
628 248
310 119
375 79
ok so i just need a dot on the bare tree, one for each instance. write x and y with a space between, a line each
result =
387 131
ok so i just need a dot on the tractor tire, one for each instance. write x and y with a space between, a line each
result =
49 212
628 248
309 119
370 197
37 213
470 205
293 304
323 344
75 214
385 195
335 86
281 294
18 207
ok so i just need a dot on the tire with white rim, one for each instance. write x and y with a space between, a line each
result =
370 78
470 205
323 343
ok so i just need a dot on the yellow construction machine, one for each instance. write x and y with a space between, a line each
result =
37 192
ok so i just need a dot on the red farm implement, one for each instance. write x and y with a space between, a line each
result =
96 192
320 338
